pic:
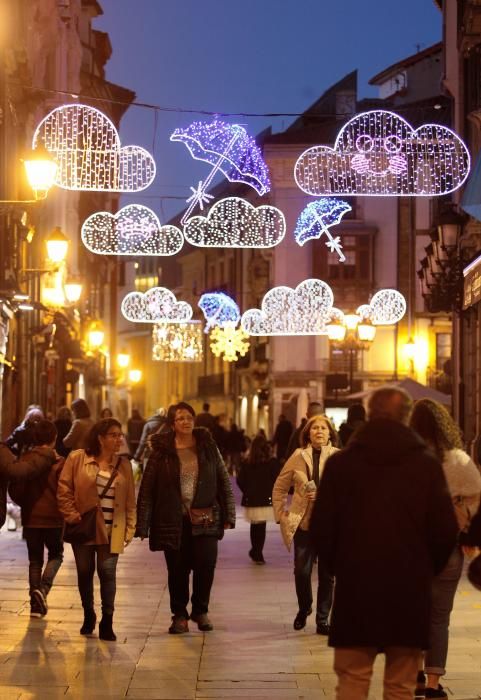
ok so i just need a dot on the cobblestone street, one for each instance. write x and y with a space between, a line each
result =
253 651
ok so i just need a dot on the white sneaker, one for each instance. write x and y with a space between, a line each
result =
11 524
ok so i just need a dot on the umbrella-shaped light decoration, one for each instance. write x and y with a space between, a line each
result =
317 218
229 149
218 309
229 341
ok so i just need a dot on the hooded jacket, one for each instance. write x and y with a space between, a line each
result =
383 524
159 504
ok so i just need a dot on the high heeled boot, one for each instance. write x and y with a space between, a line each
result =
90 618
105 628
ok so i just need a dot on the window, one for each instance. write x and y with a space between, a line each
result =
443 350
358 268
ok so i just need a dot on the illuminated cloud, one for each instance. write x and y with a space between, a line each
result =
379 153
386 307
157 305
89 155
134 230
304 310
235 223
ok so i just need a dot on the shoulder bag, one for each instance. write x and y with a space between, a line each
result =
86 529
202 516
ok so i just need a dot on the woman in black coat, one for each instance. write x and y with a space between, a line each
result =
256 480
185 479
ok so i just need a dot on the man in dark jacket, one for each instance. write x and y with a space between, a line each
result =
282 434
314 408
384 525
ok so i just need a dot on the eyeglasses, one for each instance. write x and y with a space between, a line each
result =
116 436
184 419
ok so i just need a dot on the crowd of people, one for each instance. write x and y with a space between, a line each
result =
387 508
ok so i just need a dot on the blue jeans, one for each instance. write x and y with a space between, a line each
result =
106 570
37 538
304 558
443 590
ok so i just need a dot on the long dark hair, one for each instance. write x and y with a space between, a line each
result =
260 450
101 427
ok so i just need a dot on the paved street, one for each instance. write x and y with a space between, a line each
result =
252 653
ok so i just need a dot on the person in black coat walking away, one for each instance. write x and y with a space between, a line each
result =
256 480
356 417
282 435
63 423
383 524
135 426
185 503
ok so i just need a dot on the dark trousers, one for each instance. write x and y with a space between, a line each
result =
37 538
106 570
304 558
197 553
258 538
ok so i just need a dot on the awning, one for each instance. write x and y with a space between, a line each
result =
414 389
471 199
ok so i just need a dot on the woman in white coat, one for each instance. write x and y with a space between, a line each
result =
301 472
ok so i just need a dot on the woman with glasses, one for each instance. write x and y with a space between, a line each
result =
97 477
185 503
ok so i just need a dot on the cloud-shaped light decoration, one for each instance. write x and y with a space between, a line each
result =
134 230
157 305
88 152
379 153
229 341
218 309
386 307
177 342
304 310
235 223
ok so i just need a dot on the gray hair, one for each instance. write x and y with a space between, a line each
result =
390 402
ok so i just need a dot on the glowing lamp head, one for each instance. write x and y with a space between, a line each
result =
73 291
366 331
351 321
95 335
336 331
123 360
410 349
41 170
57 246
135 375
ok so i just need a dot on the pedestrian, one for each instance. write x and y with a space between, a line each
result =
282 435
76 438
135 426
63 423
301 473
356 417
383 524
221 435
37 462
106 413
236 446
184 505
433 423
314 408
153 424
21 438
256 480
42 522
95 477
205 419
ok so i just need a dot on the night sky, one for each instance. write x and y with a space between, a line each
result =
247 56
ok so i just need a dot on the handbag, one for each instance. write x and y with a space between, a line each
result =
202 516
86 529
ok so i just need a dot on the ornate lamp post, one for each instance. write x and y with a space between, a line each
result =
351 333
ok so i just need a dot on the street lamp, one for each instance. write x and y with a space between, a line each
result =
95 335
351 333
41 170
73 290
57 245
135 375
123 360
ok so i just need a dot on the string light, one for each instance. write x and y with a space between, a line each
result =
379 153
88 152
229 342
386 307
154 306
304 310
317 218
235 223
218 309
134 230
177 342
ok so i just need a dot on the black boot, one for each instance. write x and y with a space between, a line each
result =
105 628
90 618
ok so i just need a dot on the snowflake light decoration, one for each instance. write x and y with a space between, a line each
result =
157 305
134 230
235 223
177 342
88 152
317 218
218 309
379 153
387 307
304 310
229 341
230 150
